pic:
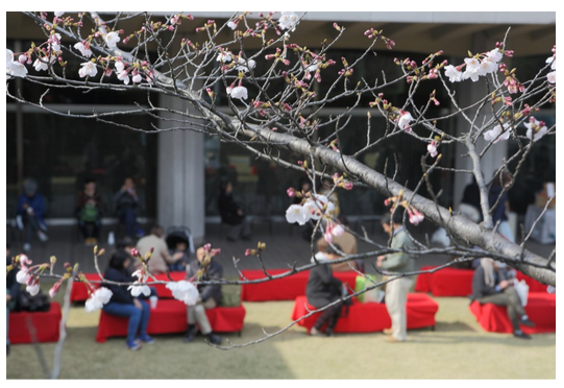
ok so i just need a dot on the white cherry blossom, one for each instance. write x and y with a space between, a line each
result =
14 68
533 131
552 61
23 276
84 49
137 78
123 76
33 288
231 24
453 74
59 14
98 299
239 92
497 134
473 70
288 21
88 69
112 38
404 120
551 77
42 64
494 55
224 56
184 291
245 65
297 213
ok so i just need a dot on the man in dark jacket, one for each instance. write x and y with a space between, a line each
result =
322 289
210 295
232 214
490 285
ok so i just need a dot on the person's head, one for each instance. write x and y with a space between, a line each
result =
181 246
30 187
226 187
129 183
120 260
502 179
305 185
327 183
200 253
126 244
157 230
391 221
90 186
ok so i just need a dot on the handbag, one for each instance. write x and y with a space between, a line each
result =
522 289
374 295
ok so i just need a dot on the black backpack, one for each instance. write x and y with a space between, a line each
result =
36 303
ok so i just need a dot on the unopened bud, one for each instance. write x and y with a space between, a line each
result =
53 260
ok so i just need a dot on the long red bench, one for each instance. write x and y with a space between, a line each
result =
541 309
372 317
170 317
288 288
79 291
458 282
46 325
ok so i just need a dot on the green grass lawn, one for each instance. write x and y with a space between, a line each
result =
457 349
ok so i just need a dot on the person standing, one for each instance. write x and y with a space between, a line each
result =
210 295
322 289
232 214
400 262
127 203
30 212
89 208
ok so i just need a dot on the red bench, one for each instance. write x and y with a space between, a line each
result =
288 288
170 317
79 291
445 282
46 325
458 282
541 309
372 317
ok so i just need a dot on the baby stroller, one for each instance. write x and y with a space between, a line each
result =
179 239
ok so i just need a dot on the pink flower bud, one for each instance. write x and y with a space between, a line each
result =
135 252
291 192
53 291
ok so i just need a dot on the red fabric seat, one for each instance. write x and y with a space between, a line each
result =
170 317
46 325
534 284
162 291
423 282
445 282
79 291
371 317
541 309
288 288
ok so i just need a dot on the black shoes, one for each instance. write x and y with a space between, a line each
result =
190 333
214 339
521 334
527 322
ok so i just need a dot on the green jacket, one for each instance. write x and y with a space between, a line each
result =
401 261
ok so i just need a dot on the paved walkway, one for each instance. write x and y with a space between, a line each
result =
285 246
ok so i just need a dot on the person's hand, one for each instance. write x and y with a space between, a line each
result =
138 304
25 205
240 212
503 284
379 260
177 256
8 298
199 300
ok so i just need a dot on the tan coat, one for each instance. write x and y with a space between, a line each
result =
160 257
347 242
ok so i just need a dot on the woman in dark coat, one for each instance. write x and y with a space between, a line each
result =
232 214
123 304
322 289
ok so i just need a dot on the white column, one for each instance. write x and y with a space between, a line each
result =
181 195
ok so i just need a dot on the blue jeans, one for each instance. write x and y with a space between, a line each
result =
138 319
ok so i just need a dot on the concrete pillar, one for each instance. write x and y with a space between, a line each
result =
469 92
181 194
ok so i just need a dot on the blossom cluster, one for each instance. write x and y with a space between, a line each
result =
476 66
415 216
314 207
